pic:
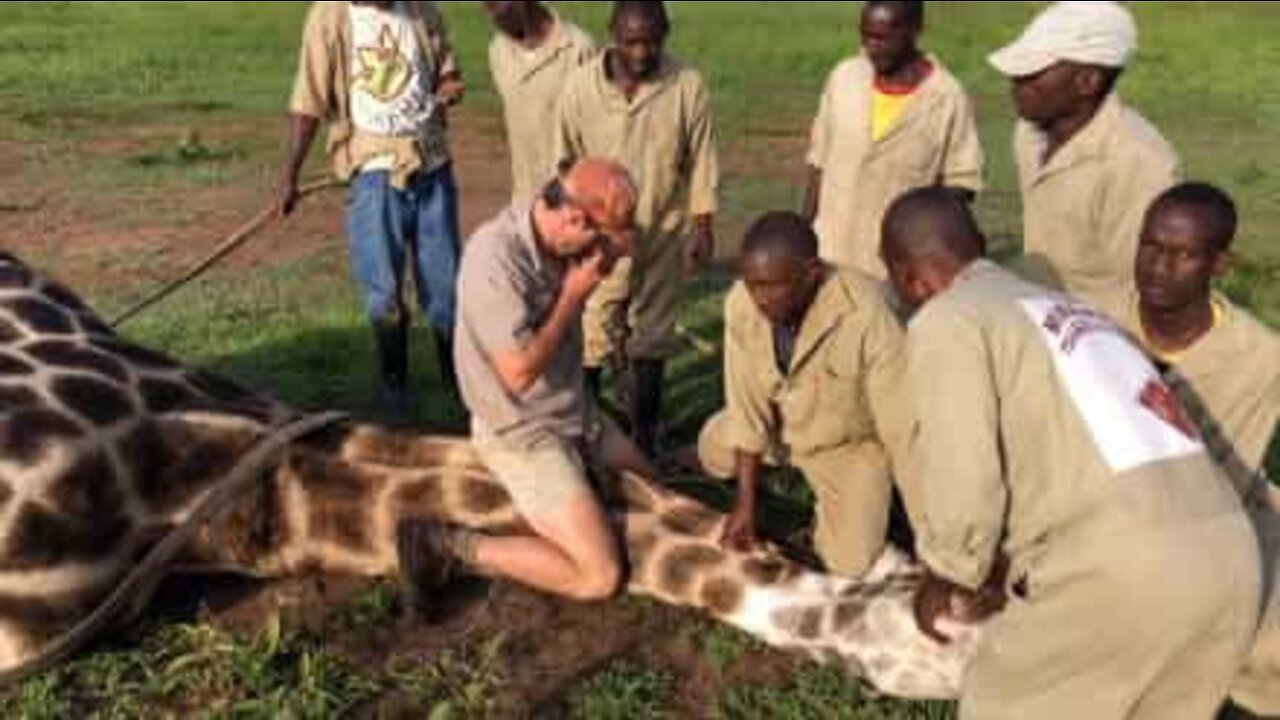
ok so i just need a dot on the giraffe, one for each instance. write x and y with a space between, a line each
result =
106 447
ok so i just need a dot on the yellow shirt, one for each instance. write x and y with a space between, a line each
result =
1172 357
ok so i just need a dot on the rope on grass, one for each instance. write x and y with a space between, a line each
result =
225 248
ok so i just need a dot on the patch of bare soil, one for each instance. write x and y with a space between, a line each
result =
95 239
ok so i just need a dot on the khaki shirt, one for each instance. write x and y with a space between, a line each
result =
1083 210
935 142
1039 422
1233 371
664 136
321 86
845 380
506 290
530 83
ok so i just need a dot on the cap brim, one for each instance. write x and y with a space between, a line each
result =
1018 60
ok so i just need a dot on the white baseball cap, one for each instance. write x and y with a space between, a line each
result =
1092 32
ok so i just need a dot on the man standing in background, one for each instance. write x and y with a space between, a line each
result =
1088 166
531 55
381 74
891 119
642 108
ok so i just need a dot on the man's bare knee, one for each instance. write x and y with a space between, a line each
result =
597 581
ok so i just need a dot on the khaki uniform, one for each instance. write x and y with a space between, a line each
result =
665 137
322 83
1083 210
530 83
1232 378
1044 433
935 142
829 416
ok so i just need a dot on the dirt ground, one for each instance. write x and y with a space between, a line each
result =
97 235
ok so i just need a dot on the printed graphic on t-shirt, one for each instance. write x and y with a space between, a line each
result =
391 92
1132 415
384 71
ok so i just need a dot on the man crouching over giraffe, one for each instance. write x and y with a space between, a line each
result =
524 279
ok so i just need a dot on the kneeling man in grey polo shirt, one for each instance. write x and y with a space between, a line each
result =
524 279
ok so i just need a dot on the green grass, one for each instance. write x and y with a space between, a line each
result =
821 694
77 73
623 692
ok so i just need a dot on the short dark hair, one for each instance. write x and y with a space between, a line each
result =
912 10
781 233
652 11
1211 203
931 220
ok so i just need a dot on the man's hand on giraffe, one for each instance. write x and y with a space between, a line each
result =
932 601
740 528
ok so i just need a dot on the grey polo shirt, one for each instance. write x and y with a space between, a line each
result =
506 290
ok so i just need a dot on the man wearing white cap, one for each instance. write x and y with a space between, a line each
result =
1088 166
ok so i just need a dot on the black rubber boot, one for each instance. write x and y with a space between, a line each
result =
444 359
425 566
593 379
645 403
394 396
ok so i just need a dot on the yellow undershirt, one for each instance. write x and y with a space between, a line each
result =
1172 358
886 110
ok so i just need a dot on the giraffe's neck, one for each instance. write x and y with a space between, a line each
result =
103 445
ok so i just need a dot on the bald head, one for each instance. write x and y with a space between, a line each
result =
931 222
604 190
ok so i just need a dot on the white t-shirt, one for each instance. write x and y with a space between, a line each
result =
391 91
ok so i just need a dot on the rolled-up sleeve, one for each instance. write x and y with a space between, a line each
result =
746 405
704 165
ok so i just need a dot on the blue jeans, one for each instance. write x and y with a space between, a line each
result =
384 225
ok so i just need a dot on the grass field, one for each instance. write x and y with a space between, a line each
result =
122 117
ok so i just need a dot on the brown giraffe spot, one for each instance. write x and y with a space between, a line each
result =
10 366
89 490
61 296
255 527
6 491
722 596
681 567
98 402
14 276
24 434
171 465
339 502
8 333
91 324
804 623
39 620
133 355
41 538
39 316
17 398
166 396
425 497
768 571
848 614
219 388
483 497
690 520
67 355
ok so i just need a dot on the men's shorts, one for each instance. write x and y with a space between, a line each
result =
543 475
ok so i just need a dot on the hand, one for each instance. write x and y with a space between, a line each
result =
698 251
740 529
286 197
932 601
451 91
583 277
